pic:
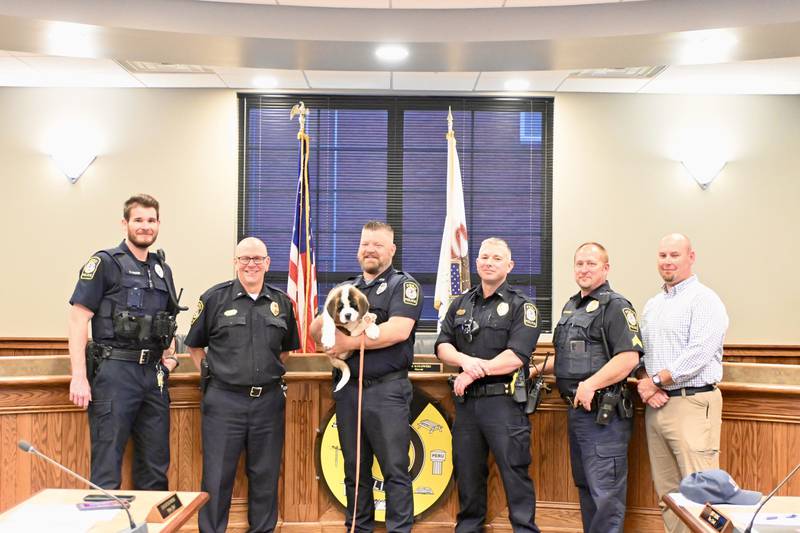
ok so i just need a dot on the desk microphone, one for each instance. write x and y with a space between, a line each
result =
26 446
770 495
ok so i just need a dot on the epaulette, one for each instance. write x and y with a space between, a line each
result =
276 289
218 286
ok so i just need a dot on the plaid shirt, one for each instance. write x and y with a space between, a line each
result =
683 329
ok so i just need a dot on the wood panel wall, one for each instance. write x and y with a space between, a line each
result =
735 353
760 439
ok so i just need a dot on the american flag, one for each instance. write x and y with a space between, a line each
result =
302 286
452 276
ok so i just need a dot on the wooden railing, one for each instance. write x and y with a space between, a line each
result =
760 435
737 353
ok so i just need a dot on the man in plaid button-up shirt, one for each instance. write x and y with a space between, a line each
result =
683 328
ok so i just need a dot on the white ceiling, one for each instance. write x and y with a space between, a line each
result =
719 47
419 4
775 76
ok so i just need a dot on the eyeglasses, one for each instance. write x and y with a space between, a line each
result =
244 260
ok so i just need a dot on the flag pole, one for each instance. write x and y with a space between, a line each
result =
302 111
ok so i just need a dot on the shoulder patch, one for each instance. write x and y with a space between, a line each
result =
630 319
410 293
531 317
198 312
90 268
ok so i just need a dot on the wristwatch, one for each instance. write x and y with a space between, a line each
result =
657 381
174 358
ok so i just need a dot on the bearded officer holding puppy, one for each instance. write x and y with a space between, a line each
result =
396 299
490 332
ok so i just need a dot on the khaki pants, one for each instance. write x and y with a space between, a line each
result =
682 437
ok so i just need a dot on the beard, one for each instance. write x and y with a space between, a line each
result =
142 240
373 268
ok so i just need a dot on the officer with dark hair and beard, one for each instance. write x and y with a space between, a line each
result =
128 295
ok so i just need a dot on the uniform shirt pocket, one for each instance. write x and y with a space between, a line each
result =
233 331
497 332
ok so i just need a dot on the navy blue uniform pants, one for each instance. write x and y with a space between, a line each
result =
127 403
234 422
385 433
599 457
499 424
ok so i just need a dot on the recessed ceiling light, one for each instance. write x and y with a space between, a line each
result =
265 82
516 84
71 39
709 46
391 52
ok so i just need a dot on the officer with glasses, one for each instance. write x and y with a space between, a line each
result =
249 328
490 332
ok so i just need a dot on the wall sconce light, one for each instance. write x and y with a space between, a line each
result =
703 170
73 163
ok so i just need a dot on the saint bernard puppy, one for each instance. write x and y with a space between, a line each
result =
347 309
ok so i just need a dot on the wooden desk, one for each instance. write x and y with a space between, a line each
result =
689 512
145 500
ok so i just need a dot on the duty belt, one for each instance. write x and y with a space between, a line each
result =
142 357
391 376
570 398
488 389
254 391
690 391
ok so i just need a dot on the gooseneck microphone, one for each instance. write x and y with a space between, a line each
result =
770 495
26 446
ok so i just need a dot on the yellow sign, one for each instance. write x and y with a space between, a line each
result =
430 458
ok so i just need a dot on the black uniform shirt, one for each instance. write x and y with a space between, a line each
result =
506 320
101 274
245 337
389 297
620 322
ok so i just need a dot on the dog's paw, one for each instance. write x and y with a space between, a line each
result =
328 339
369 318
373 331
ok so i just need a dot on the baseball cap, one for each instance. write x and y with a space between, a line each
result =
716 486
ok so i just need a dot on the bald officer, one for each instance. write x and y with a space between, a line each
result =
249 329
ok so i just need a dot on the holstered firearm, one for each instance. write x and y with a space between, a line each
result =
205 375
94 355
625 405
458 399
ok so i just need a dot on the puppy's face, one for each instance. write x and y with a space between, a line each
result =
346 304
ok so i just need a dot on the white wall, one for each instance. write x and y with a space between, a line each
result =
616 181
179 146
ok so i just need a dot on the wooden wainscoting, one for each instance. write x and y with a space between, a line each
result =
760 439
737 353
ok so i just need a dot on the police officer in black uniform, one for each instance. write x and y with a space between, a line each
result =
129 297
490 332
249 328
597 347
396 299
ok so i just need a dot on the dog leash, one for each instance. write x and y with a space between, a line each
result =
358 431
